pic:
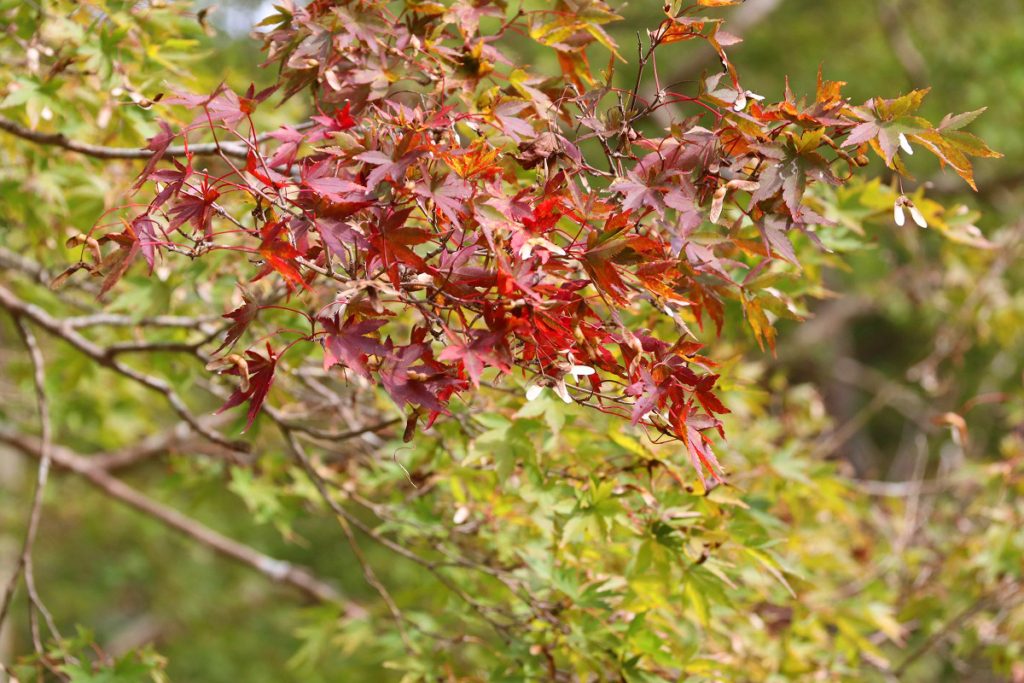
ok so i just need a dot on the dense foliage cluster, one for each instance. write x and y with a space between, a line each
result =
448 212
429 229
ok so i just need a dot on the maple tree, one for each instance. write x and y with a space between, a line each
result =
447 223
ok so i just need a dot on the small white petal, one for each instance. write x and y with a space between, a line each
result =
581 371
461 515
533 392
898 214
562 392
915 213
905 144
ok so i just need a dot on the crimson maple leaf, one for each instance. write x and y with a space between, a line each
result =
479 352
449 196
116 263
260 372
649 394
290 139
341 120
280 256
391 240
242 317
146 230
414 384
196 209
349 344
316 178
699 446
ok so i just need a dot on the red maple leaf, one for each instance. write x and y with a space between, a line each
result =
116 263
414 384
280 255
479 352
349 344
391 240
242 317
196 209
260 376
341 120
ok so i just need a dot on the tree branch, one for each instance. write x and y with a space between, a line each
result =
237 150
45 450
902 44
57 328
278 570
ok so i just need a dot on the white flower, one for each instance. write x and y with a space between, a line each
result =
905 144
534 391
915 213
898 213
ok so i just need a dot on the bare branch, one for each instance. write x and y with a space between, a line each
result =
237 150
45 448
115 320
55 327
901 43
278 570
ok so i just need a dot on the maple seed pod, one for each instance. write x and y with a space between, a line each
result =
534 391
716 204
905 144
897 213
243 372
915 213
94 247
581 371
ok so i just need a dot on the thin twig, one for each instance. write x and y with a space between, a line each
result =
901 43
344 514
46 445
982 603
